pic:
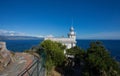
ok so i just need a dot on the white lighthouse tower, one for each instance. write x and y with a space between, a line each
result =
72 34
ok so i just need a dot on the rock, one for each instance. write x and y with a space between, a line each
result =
5 55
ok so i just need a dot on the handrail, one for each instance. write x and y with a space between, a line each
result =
36 61
35 68
26 69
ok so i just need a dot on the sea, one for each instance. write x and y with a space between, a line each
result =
113 46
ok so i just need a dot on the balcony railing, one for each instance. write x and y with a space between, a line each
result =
36 68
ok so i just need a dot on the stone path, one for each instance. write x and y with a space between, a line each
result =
23 60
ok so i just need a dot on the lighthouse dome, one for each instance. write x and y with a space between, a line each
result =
71 29
72 34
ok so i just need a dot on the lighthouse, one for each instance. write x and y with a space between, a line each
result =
69 42
72 34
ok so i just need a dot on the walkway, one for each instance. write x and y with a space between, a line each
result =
23 60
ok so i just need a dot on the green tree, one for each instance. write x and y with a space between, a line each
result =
74 50
77 52
54 53
98 62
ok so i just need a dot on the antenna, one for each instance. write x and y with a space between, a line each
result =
72 22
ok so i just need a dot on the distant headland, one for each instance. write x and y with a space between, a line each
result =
19 38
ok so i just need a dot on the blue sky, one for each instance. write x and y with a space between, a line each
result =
92 19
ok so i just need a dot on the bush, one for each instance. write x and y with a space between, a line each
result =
98 61
54 53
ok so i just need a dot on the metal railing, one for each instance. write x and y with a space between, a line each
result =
36 68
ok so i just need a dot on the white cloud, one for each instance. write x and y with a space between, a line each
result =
43 36
40 36
3 31
49 35
14 33
10 33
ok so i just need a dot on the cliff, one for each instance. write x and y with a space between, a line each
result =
5 56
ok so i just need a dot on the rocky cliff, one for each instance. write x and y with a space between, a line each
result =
5 56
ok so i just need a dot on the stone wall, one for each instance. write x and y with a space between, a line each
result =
2 46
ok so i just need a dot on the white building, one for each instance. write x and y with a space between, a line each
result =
70 41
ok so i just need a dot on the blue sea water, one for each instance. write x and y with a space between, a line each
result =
113 46
21 45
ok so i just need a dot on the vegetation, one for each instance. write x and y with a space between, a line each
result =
76 52
98 62
12 53
73 51
95 61
54 53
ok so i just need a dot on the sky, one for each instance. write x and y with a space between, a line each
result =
91 19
